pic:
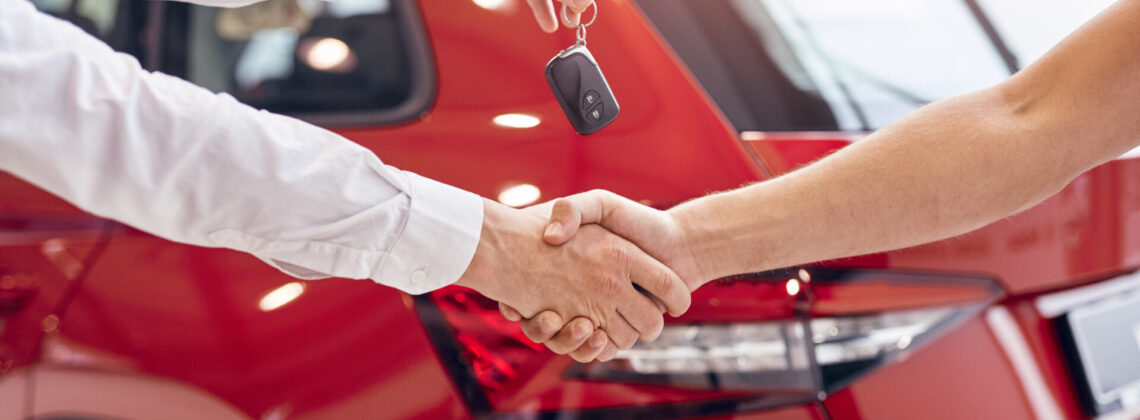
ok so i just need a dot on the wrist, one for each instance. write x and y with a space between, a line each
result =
479 273
696 245
725 236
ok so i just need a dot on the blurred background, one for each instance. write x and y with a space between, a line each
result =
1032 317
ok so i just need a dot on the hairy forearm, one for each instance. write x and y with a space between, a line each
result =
944 170
947 169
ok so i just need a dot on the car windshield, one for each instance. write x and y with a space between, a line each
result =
877 60
809 65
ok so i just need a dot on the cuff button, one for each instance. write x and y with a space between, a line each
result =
418 276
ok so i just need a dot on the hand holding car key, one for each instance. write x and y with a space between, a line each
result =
579 85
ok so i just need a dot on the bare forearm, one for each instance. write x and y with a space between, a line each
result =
949 168
945 170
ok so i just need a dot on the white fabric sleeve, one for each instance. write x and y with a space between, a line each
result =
173 159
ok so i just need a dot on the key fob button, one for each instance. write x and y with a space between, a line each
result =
597 113
581 90
589 99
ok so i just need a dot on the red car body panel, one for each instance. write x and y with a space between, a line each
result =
350 349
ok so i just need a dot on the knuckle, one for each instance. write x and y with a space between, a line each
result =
612 287
616 251
597 192
563 205
664 282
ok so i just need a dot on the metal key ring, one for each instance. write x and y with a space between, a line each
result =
566 20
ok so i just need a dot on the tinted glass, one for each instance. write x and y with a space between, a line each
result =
116 22
877 60
809 65
347 62
296 57
1032 27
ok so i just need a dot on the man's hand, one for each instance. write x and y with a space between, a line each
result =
654 231
591 276
548 17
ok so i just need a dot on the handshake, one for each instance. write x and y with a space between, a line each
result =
590 290
586 274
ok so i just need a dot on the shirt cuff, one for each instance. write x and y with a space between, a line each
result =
439 240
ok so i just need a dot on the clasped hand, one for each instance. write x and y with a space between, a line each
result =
655 232
584 274
594 248
587 274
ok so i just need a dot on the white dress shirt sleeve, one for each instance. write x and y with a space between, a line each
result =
173 159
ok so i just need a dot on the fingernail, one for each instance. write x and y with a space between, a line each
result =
554 228
580 332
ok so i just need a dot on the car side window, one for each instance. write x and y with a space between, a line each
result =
116 22
342 63
348 62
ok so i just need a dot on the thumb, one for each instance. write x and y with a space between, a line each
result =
565 219
569 213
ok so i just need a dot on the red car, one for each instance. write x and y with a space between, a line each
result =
1036 316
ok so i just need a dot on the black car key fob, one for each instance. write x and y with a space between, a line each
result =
581 89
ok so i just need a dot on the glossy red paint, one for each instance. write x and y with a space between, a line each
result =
668 144
963 376
1042 340
351 349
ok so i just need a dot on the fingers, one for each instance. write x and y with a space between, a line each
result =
640 312
592 348
578 6
547 16
544 14
511 314
575 8
542 327
569 213
621 332
661 282
609 352
572 336
574 17
579 338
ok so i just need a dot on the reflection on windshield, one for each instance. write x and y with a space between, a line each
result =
1032 27
302 56
877 60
